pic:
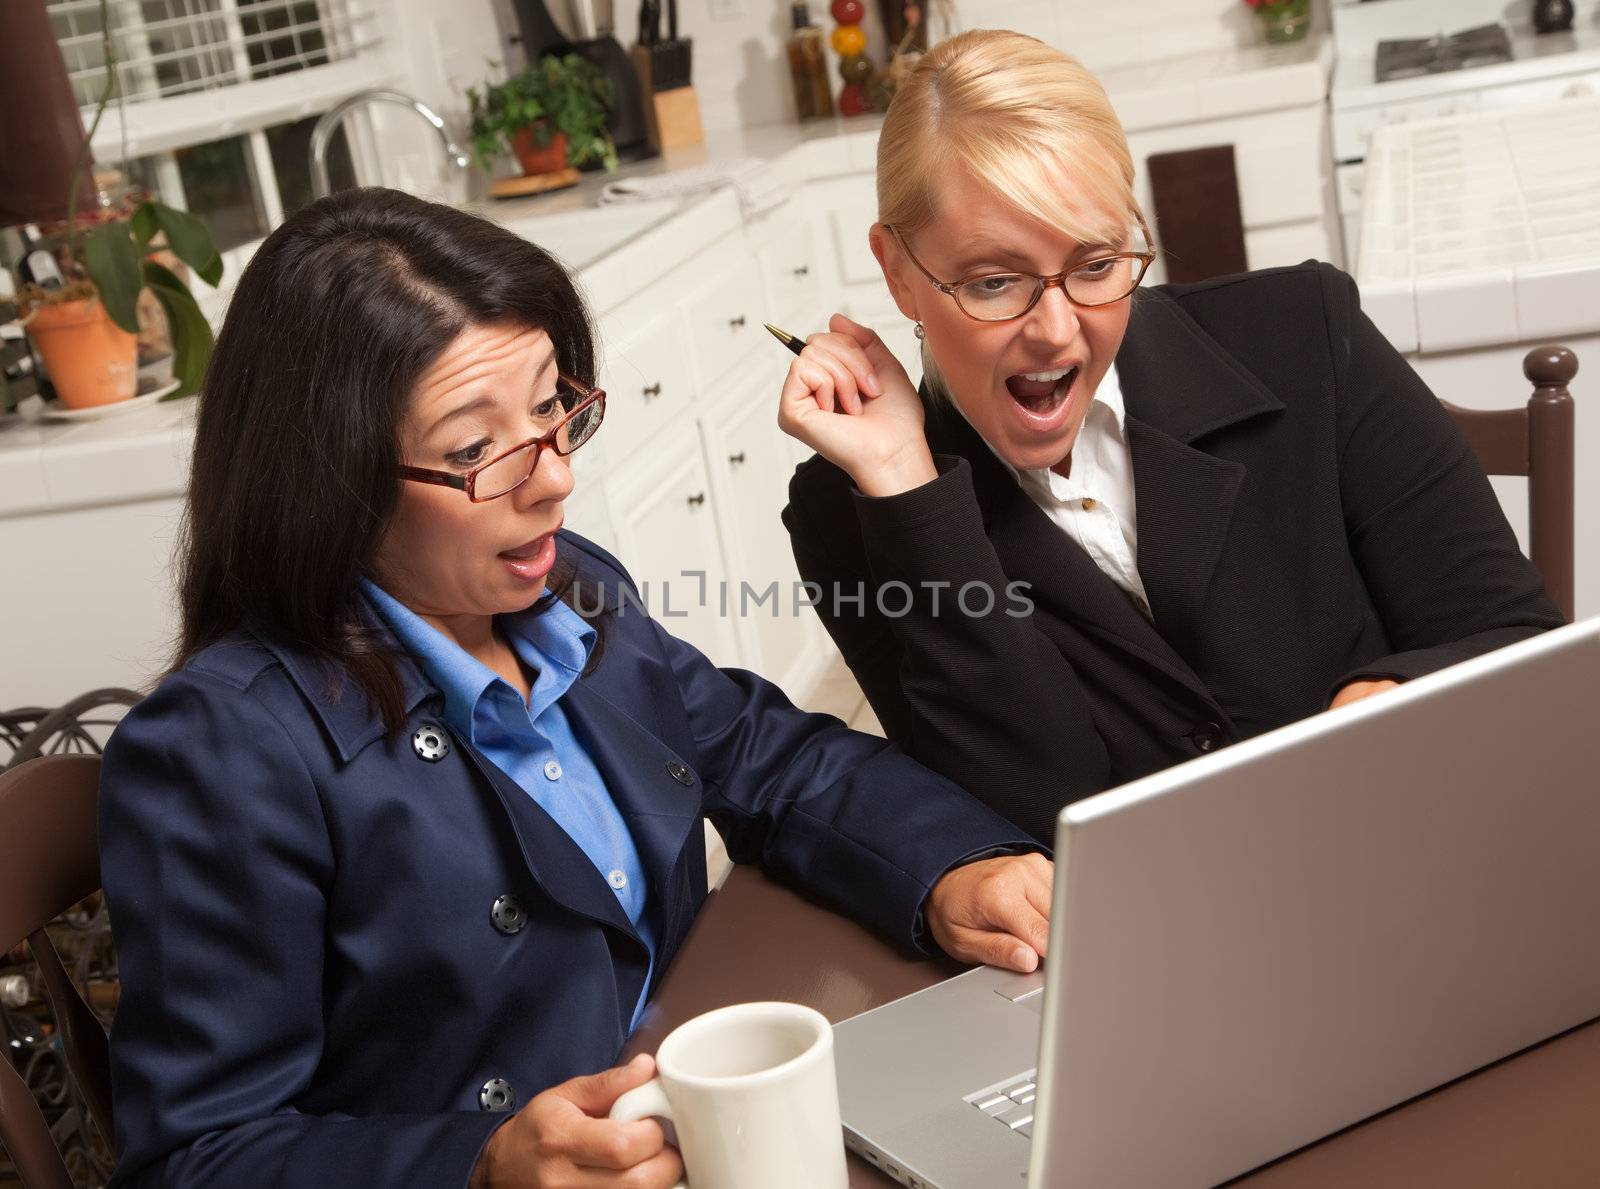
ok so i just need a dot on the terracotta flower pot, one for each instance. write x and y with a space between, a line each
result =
536 158
92 360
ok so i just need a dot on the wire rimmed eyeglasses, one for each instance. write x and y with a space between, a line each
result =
575 411
1002 296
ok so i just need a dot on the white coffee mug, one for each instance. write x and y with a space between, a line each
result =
752 1093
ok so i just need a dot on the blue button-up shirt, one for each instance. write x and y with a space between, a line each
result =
532 742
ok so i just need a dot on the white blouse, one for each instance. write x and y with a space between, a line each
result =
1095 505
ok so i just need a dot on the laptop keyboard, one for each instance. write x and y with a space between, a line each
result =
1010 1103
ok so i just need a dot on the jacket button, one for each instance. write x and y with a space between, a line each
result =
508 915
1207 737
496 1095
680 772
430 742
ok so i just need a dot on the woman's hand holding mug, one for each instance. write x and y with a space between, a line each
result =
848 398
563 1138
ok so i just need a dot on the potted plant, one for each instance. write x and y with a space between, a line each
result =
1282 20
86 330
550 116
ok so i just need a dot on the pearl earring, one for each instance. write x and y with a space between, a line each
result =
919 332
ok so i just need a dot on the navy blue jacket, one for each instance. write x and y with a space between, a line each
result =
316 989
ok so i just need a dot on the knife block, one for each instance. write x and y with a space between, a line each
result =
672 118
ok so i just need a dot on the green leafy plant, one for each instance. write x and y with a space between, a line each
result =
567 94
110 260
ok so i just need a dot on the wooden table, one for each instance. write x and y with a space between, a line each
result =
1531 1121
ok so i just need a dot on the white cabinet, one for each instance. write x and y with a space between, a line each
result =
751 462
789 263
647 375
725 320
670 540
1284 166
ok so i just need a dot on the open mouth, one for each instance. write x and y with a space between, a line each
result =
1042 393
530 550
532 560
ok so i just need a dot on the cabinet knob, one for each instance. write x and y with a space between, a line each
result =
652 390
697 499
736 323
736 459
803 271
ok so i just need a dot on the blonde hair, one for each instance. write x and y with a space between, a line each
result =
1018 116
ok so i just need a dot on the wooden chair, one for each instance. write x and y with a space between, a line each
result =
1536 442
49 860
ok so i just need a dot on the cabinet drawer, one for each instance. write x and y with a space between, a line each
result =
666 520
1279 183
848 225
725 322
791 271
648 386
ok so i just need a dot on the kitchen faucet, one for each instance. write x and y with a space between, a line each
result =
322 134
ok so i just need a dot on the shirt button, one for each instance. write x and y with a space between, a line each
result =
1089 505
552 770
618 879
496 1095
430 742
508 915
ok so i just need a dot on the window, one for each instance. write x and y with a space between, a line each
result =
218 98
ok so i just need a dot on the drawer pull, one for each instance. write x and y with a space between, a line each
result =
736 459
697 499
736 323
652 390
803 271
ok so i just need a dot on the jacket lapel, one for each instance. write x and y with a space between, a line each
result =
557 863
1180 387
1062 579
660 811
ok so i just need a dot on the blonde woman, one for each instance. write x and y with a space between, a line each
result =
1118 527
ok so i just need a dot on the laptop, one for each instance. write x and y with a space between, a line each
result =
1262 946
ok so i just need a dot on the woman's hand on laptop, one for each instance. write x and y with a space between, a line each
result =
1357 690
994 911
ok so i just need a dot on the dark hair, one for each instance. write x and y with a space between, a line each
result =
296 450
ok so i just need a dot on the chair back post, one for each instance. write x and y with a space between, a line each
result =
1551 534
49 861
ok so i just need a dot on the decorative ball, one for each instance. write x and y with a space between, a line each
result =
848 40
853 100
856 69
848 12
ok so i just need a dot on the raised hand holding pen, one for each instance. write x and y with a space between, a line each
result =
847 397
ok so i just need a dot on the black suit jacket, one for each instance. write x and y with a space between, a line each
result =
1307 514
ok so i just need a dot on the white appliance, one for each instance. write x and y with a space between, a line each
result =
1542 68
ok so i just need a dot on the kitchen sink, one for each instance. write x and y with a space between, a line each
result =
579 235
